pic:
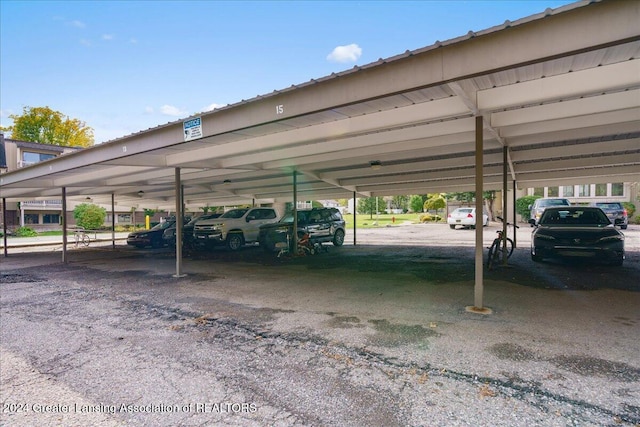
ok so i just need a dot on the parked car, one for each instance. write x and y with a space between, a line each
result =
616 213
539 205
466 217
576 231
169 235
233 228
151 237
322 225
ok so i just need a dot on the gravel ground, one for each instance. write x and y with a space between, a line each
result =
361 335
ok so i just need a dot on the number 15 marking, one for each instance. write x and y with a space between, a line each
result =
280 109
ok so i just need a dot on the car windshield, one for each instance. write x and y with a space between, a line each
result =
574 216
553 202
302 217
194 220
163 225
234 213
464 211
610 206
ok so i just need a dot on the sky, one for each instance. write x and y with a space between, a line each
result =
127 66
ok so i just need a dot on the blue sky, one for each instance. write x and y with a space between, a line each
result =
126 66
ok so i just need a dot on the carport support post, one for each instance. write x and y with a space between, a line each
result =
505 204
478 288
113 221
293 246
178 191
4 225
354 218
64 225
515 217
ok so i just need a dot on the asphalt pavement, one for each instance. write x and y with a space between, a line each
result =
371 334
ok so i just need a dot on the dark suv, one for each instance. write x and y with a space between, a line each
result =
322 225
616 212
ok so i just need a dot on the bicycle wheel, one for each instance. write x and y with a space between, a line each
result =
493 257
85 240
509 247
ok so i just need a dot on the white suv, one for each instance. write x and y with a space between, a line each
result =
234 228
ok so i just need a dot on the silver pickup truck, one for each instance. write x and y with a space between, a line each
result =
234 228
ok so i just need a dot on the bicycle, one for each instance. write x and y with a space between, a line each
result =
81 237
496 248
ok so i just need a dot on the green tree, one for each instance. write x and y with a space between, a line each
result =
416 203
400 202
89 216
522 206
435 202
368 205
47 126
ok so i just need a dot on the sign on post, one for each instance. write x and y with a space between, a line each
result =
192 129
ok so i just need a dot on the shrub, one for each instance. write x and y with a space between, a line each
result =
25 232
89 216
630 207
522 206
427 217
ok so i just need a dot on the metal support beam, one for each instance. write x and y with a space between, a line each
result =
479 265
293 245
4 225
64 225
178 190
505 217
355 210
113 221
515 221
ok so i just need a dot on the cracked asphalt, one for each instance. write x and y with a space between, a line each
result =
361 335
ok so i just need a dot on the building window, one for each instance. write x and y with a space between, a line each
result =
552 191
538 191
567 191
601 190
31 219
123 218
617 189
29 158
51 219
584 190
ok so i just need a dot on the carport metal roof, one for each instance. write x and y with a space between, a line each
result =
560 89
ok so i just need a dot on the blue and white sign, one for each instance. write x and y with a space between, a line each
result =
192 129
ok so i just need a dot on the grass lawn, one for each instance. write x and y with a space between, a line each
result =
381 220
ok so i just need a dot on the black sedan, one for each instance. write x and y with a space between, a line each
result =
151 237
169 235
577 232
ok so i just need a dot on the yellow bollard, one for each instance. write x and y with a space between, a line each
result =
147 221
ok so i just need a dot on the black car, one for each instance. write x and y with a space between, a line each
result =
578 232
322 225
616 213
151 237
169 235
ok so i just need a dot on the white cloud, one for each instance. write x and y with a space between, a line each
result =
107 37
170 110
148 110
348 53
85 42
211 107
133 41
78 24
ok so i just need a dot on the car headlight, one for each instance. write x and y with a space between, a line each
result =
613 238
545 237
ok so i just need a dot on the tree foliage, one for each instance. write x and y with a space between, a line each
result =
89 216
400 202
522 206
370 205
47 126
435 202
416 203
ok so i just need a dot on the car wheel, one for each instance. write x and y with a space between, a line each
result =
452 226
338 238
618 261
623 227
235 241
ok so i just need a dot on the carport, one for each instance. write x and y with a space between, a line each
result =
550 99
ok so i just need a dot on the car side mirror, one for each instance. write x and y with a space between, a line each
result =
250 218
529 207
532 222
